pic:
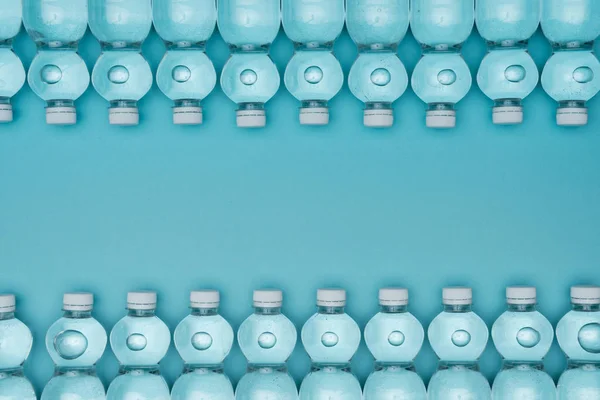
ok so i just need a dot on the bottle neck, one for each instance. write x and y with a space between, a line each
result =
141 313
394 366
330 310
509 364
521 307
77 314
507 44
204 312
393 309
586 307
458 308
267 310
7 315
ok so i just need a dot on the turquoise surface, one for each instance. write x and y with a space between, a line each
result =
109 209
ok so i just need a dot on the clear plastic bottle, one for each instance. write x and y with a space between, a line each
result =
441 78
249 78
57 74
15 345
313 75
572 75
578 334
121 74
377 77
330 337
394 337
203 340
185 75
139 340
75 343
267 339
507 74
523 337
458 336
12 72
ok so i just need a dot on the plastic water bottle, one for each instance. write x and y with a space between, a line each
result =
185 75
249 78
458 336
12 72
139 340
267 339
377 77
507 74
203 340
58 75
121 74
75 343
15 345
330 337
523 337
578 334
572 75
441 78
394 337
313 75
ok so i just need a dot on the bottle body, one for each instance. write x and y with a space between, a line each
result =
507 22
12 72
183 24
15 344
440 24
570 23
121 74
376 25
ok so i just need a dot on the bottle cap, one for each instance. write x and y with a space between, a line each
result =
124 116
6 113
204 299
61 116
269 298
393 296
571 116
457 295
507 115
7 303
378 118
585 294
314 116
331 297
187 115
521 295
78 301
251 118
440 119
142 300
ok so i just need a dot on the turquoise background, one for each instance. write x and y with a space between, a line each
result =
109 209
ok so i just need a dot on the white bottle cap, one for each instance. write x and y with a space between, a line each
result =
571 116
507 115
314 116
6 113
7 303
187 115
331 297
205 299
521 295
267 298
585 294
142 300
440 119
457 295
393 296
251 118
78 301
378 118
61 116
124 116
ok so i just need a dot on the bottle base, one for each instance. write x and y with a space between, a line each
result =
507 115
314 116
61 116
6 113
187 115
440 119
569 116
124 116
378 118
251 118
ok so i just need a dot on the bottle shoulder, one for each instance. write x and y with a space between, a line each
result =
76 342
